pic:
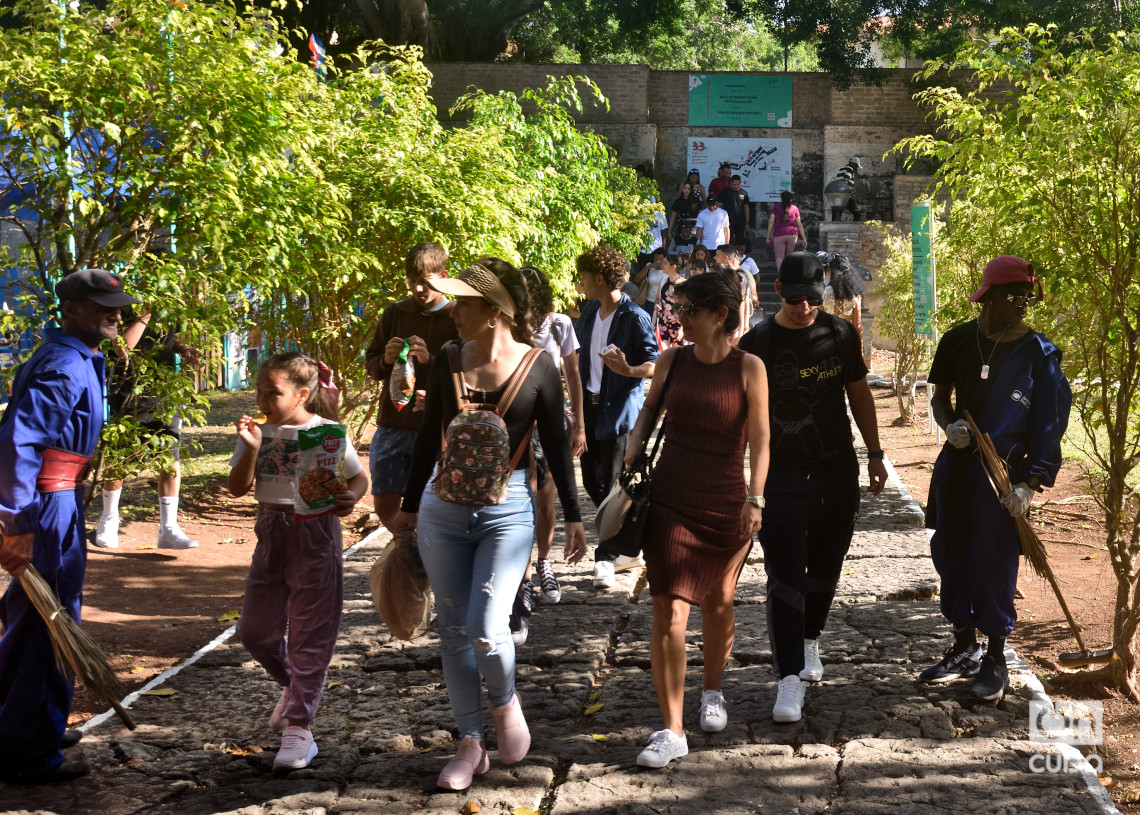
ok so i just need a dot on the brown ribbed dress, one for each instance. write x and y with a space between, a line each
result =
698 490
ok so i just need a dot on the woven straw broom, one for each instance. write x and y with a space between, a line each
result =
75 652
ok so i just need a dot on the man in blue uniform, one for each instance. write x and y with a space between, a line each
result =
1009 378
47 436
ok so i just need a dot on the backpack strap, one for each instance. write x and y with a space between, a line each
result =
456 363
514 385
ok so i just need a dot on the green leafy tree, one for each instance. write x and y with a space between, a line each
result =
517 180
121 126
687 35
895 318
1038 157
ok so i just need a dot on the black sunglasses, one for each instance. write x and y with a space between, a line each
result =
685 309
1019 300
799 300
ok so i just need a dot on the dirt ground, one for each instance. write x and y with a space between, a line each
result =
151 609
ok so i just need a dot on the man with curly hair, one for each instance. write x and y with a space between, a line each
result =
618 353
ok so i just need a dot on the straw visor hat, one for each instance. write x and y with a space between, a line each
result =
477 281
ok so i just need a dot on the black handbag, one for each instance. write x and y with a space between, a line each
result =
622 515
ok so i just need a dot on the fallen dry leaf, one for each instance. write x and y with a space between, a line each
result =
599 737
470 808
334 683
524 811
232 614
159 692
594 708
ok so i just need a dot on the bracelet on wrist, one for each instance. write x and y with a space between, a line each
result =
755 500
873 454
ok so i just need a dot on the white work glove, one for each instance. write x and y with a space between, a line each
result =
1017 502
958 433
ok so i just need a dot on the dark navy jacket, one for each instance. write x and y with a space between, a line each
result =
631 330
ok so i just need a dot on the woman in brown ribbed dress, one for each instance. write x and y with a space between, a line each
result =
702 514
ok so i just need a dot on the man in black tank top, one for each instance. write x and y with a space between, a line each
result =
813 360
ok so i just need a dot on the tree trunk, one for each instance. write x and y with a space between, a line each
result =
1123 669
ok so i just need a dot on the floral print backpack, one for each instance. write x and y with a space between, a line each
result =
476 462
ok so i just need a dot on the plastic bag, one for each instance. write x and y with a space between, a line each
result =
402 382
320 470
400 589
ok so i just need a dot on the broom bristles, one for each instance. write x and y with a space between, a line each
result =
76 653
1030 546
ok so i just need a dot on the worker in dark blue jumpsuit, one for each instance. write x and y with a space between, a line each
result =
1009 378
47 435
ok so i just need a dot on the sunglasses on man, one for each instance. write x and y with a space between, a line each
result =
1019 300
800 299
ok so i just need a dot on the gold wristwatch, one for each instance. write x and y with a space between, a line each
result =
756 500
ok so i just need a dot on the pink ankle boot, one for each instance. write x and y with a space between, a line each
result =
470 760
511 731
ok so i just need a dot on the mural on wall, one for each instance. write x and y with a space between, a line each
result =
764 165
740 100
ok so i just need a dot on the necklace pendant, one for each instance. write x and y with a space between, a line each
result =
985 372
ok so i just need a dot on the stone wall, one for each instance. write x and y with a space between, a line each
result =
648 123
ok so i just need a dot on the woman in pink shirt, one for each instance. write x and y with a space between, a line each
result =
784 226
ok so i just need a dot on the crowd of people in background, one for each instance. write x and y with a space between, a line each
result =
681 322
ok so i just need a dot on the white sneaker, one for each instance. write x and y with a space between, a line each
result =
297 749
107 533
604 575
714 714
174 538
789 699
663 747
813 668
625 563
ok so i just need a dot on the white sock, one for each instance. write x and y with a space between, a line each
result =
111 503
168 512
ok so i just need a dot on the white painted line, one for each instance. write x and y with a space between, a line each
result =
131 698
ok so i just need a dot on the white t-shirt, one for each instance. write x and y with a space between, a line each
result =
714 223
656 224
749 265
599 339
556 335
656 279
275 475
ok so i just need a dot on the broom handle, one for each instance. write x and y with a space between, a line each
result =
1000 482
130 723
1076 629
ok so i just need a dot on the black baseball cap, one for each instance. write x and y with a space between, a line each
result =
801 273
96 285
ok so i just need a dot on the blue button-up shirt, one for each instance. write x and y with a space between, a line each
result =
621 397
57 401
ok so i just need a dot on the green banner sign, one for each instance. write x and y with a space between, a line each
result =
740 100
922 244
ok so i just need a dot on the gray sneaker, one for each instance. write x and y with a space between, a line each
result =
958 663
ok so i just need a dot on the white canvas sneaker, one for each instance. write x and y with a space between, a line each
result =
174 538
813 668
604 575
789 699
714 712
663 747
107 533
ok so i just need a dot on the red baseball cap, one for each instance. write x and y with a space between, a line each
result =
1006 269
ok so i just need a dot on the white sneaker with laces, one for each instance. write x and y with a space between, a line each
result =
107 533
714 713
174 538
604 575
663 747
297 749
813 667
789 699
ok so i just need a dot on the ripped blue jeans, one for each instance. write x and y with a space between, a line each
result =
475 558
